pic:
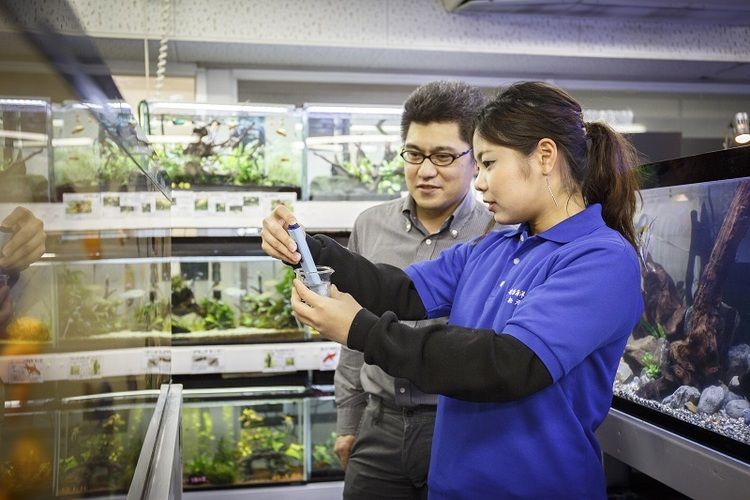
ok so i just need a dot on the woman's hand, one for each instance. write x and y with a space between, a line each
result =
27 244
276 240
332 316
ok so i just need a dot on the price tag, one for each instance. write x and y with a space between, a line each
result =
279 360
329 357
207 361
84 367
158 361
25 371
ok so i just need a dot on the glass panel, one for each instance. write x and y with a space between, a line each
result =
83 290
100 444
352 153
689 358
325 463
242 442
220 300
245 146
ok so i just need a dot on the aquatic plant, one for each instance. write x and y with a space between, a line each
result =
656 330
651 365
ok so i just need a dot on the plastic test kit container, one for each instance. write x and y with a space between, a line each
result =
316 278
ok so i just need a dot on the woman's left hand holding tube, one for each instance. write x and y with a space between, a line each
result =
332 316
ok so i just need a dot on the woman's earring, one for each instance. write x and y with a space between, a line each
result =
549 188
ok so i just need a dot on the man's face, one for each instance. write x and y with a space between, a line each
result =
438 188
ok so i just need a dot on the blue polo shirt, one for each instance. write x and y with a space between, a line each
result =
572 295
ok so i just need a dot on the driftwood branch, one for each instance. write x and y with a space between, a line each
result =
696 360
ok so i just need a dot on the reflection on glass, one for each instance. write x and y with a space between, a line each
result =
690 355
352 153
325 462
100 445
242 442
206 145
228 300
82 303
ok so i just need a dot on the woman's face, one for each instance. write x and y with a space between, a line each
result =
511 183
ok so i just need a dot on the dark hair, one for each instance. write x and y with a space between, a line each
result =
600 162
444 102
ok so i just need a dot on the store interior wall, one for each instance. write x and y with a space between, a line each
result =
677 77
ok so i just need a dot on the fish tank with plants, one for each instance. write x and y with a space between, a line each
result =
26 155
238 299
242 437
85 158
687 364
26 455
325 464
203 146
100 442
352 152
113 302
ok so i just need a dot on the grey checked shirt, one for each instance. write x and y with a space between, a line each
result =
390 233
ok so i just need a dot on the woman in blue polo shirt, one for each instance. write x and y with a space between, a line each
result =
539 316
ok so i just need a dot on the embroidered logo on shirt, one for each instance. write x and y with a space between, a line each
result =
515 295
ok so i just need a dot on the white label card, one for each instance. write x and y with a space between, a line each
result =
329 357
207 361
158 361
26 371
84 367
279 360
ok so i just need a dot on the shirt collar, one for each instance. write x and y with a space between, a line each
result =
572 228
456 220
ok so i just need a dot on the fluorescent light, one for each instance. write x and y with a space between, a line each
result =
633 128
172 139
359 110
242 108
24 102
373 128
72 141
28 136
348 139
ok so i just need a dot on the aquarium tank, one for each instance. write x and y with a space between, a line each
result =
232 299
352 152
237 438
250 146
689 357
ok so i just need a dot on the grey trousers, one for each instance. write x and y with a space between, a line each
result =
391 456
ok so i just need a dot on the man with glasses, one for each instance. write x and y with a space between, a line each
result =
385 425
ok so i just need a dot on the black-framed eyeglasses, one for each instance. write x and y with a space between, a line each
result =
441 159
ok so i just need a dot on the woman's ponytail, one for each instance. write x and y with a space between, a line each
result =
611 178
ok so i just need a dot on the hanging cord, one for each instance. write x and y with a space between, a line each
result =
161 65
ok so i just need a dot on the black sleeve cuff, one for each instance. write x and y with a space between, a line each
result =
361 326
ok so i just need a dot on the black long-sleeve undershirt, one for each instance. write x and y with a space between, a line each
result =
463 363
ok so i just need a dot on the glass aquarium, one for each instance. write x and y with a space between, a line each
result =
113 302
85 159
203 146
689 357
325 464
242 437
68 276
352 153
232 299
100 442
28 438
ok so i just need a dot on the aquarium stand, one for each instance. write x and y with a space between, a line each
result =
684 465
